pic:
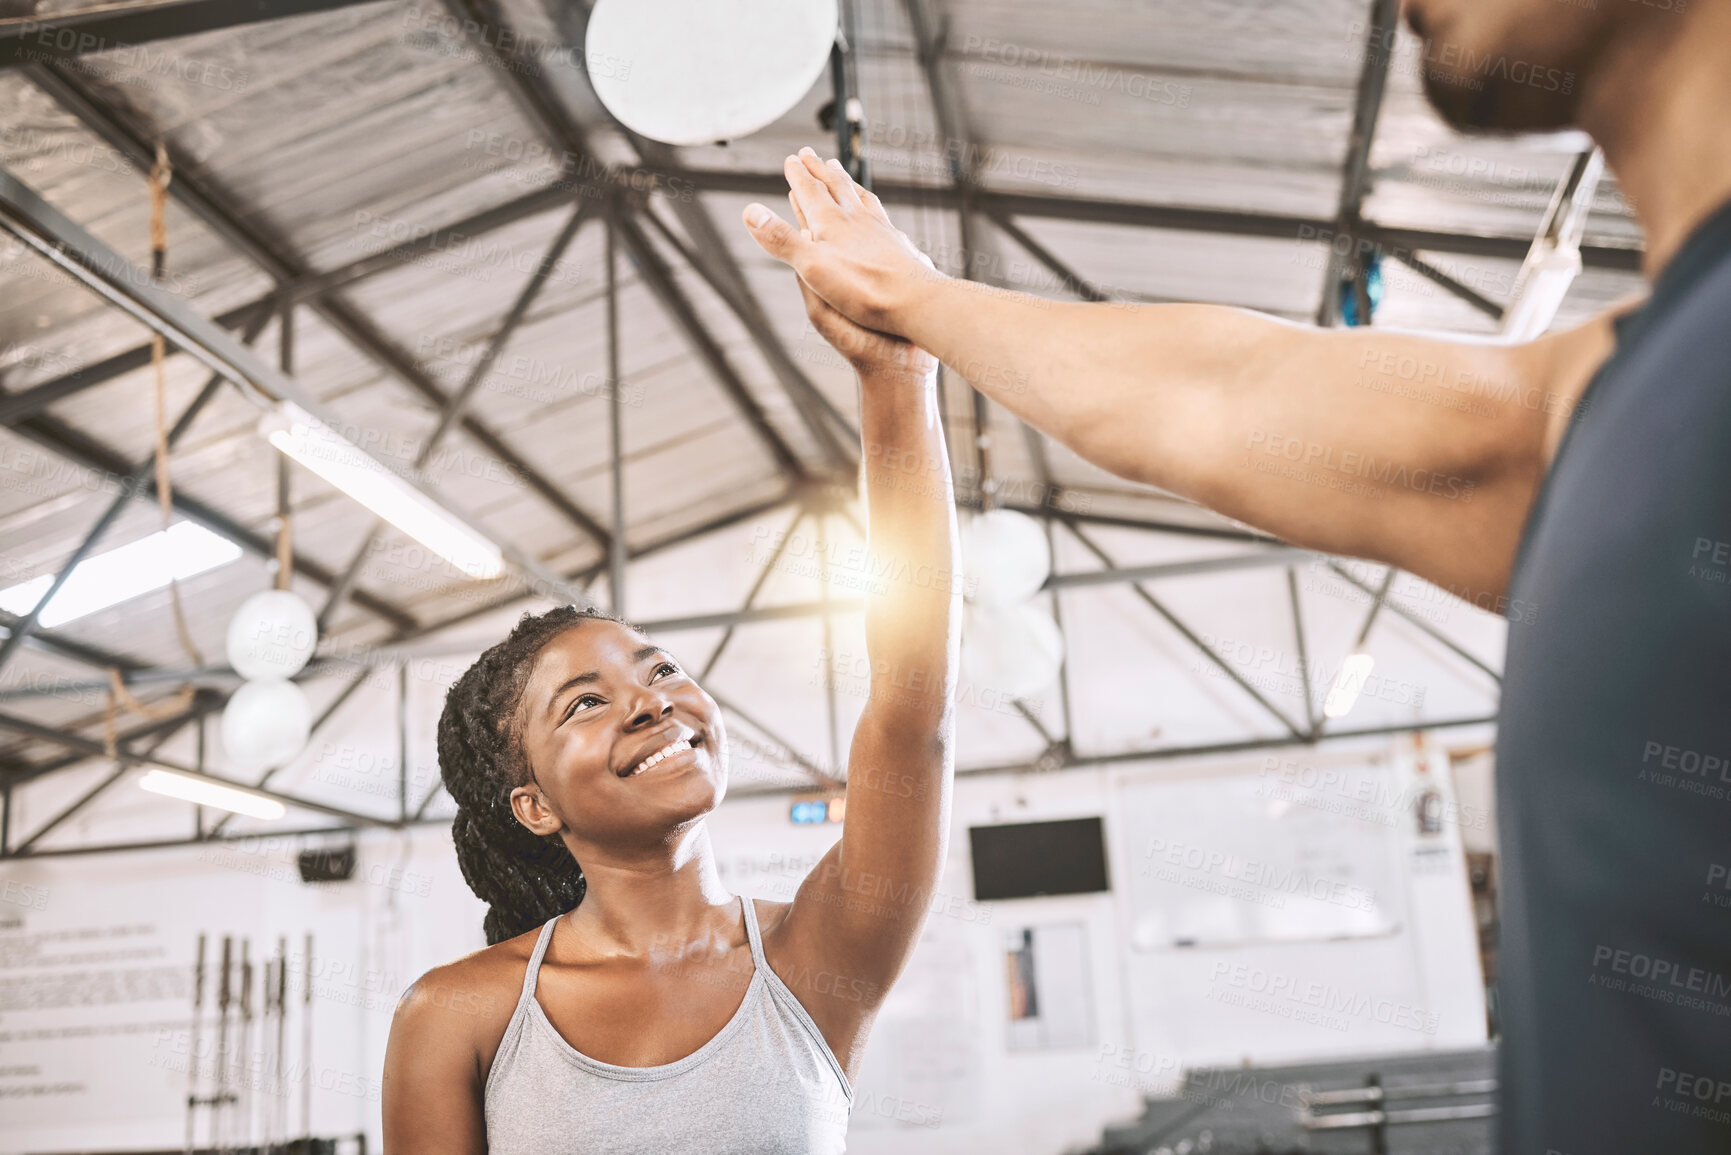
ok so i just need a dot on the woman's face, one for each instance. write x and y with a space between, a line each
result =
623 745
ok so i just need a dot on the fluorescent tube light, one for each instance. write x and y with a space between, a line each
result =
181 551
206 793
1347 684
339 461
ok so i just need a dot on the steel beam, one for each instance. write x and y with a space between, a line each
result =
556 195
192 190
1071 280
93 455
16 407
171 843
733 517
1117 575
546 111
203 704
1178 218
709 255
1189 635
50 233
78 743
25 626
457 402
91 794
585 576
1298 641
1417 621
1247 746
106 27
619 545
962 156
1436 276
679 309
309 287
1069 762
1318 723
810 402
1355 177
77 651
822 777
452 409
757 585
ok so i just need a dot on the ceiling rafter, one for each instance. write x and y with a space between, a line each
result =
195 191
546 110
1177 218
62 35
1355 174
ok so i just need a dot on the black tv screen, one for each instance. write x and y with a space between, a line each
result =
1024 859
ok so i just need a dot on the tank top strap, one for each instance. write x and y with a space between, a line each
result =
533 972
752 934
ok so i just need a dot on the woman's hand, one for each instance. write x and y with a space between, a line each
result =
875 356
845 248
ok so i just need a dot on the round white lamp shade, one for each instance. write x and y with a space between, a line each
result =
265 724
272 635
701 71
1010 651
1005 558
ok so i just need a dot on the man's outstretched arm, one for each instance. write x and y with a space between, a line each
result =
1418 452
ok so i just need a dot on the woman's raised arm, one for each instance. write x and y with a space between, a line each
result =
859 912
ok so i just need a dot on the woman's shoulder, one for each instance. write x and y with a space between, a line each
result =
471 996
447 1028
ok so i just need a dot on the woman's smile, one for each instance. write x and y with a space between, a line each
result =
685 741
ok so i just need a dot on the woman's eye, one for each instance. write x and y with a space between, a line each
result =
580 703
666 668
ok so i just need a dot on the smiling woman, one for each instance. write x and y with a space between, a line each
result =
626 1000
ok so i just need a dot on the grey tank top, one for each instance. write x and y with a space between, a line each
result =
766 1084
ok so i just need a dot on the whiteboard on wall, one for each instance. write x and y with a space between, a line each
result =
1248 859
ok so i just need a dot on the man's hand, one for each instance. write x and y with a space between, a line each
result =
874 356
845 249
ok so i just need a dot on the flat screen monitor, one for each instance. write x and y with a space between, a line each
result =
1024 859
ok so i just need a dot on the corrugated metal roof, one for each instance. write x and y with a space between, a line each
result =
338 135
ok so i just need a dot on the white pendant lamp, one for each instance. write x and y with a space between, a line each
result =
265 724
1006 557
272 635
1010 651
702 71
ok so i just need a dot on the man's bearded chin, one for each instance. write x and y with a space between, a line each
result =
1470 88
1496 106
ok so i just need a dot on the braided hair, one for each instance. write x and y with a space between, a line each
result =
523 877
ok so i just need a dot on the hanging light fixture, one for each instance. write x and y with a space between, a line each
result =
340 462
206 793
1347 684
266 724
702 71
181 551
1005 556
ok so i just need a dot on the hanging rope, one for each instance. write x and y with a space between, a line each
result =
120 698
160 174
285 554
